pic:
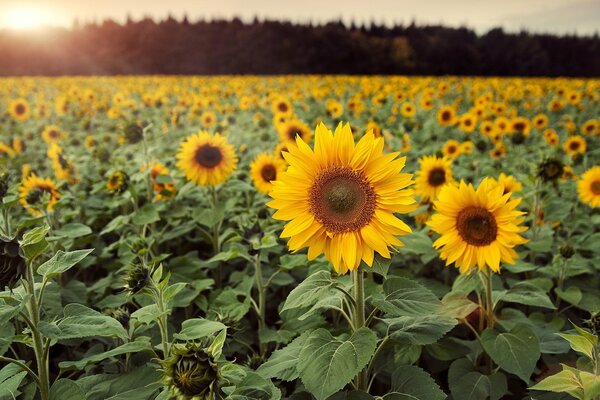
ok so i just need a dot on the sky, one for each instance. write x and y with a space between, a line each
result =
547 16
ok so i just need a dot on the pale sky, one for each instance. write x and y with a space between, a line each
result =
554 16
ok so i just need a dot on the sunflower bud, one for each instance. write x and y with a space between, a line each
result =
594 323
101 154
550 170
139 247
567 251
137 278
192 373
4 183
133 133
12 265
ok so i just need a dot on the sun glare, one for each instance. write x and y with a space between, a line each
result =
25 18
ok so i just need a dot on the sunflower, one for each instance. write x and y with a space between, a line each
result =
63 168
540 121
90 142
375 128
289 129
509 183
446 116
281 106
164 189
408 110
280 149
520 125
264 169
434 174
6 150
477 227
551 136
591 127
467 122
35 192
52 134
19 109
340 198
18 145
588 187
117 182
206 159
334 108
451 149
208 119
574 145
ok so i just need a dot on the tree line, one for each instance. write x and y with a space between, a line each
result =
175 46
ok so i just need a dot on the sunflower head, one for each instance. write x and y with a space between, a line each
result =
117 182
137 278
340 197
192 373
588 187
133 133
265 169
478 227
207 159
289 129
19 109
550 169
38 193
12 264
434 174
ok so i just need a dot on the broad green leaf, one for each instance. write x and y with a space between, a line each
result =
255 387
423 330
146 215
147 314
404 297
66 389
140 344
327 364
309 291
563 382
579 344
73 230
516 351
139 384
467 384
34 242
9 388
524 293
571 295
198 328
282 363
62 262
412 383
457 306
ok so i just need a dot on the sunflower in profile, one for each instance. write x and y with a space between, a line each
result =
434 174
36 192
6 150
206 159
509 183
574 145
289 129
19 109
477 227
117 182
52 134
280 149
265 169
340 198
588 187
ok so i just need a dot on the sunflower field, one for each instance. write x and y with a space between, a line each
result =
299 237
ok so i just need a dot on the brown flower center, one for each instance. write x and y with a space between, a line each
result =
342 199
20 109
282 107
268 173
477 226
437 177
595 188
451 149
574 145
446 116
293 131
208 156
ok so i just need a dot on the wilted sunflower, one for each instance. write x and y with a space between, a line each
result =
19 109
264 169
52 134
434 174
477 227
117 182
574 145
550 169
289 129
588 187
340 198
34 190
206 159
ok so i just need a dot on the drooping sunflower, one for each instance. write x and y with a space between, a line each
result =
36 192
434 174
52 134
264 169
117 182
289 129
206 159
574 145
19 109
340 198
588 187
18 145
477 227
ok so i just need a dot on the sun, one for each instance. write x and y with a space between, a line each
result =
25 17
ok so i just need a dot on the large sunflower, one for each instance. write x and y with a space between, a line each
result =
340 198
36 192
477 227
264 169
434 174
206 159
588 187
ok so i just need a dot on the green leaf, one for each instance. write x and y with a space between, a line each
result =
62 262
146 215
66 389
467 384
525 293
327 364
255 387
516 351
309 291
10 387
115 224
404 297
423 330
73 230
410 382
147 314
579 343
209 217
34 242
140 344
571 295
282 363
82 322
198 328
563 382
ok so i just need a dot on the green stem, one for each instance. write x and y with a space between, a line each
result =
162 323
215 238
486 276
358 289
262 300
